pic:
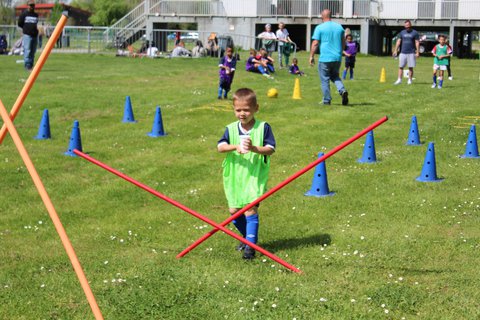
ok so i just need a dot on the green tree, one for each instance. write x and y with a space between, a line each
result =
6 12
56 13
83 4
107 12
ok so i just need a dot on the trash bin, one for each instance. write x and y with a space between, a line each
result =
223 43
65 41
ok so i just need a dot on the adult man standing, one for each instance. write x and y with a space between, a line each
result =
409 43
331 37
28 22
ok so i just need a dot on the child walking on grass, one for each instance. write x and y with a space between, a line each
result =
248 143
441 53
227 66
350 52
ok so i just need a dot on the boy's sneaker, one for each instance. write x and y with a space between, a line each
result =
249 253
240 247
344 98
450 78
398 81
434 85
409 81
439 87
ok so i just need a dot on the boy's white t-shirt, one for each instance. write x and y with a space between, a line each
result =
282 35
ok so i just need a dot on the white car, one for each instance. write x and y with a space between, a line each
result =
189 36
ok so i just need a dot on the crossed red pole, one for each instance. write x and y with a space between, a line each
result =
252 204
186 209
284 183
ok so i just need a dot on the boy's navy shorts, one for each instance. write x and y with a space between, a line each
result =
350 62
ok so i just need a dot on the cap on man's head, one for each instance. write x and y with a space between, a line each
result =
31 2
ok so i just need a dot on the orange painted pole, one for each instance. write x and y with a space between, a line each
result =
51 211
34 74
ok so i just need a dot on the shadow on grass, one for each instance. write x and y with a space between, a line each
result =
360 104
314 240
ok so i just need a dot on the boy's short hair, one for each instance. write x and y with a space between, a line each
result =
349 35
246 94
441 36
252 52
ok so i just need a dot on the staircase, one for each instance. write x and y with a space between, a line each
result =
131 27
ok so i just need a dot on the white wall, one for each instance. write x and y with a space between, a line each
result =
240 8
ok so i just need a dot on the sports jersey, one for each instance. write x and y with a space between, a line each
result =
438 50
245 176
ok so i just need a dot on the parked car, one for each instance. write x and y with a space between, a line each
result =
427 43
171 36
189 36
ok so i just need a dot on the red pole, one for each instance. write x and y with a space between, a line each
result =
284 183
186 209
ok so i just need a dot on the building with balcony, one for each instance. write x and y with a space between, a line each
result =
374 22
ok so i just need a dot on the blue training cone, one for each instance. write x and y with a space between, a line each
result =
75 140
429 170
369 155
128 111
44 128
320 184
157 128
413 135
471 150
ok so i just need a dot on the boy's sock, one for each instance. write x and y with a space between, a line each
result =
351 73
440 82
220 92
435 79
344 74
252 228
241 224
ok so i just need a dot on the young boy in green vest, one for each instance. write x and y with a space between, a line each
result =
248 143
441 53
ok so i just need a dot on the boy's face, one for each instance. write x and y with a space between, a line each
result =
229 52
441 40
244 112
349 39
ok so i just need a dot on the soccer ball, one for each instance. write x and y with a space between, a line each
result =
272 93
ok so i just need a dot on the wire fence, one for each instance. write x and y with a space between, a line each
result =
125 41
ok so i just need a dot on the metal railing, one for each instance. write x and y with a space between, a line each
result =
197 8
429 9
104 40
378 9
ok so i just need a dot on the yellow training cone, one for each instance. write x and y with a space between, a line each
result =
296 90
383 76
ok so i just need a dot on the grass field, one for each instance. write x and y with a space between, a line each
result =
384 247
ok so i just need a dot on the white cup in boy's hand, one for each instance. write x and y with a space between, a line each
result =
244 141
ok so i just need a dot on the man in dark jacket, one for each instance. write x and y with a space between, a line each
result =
28 22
